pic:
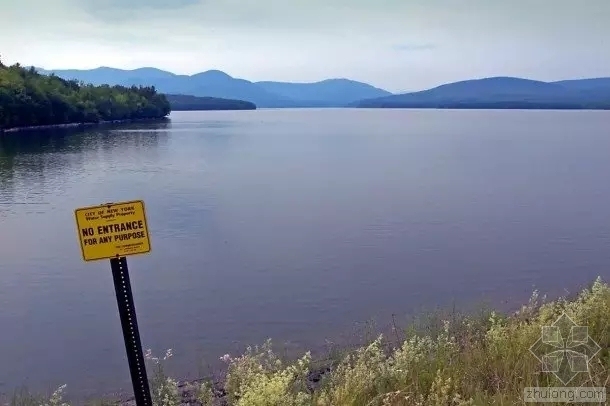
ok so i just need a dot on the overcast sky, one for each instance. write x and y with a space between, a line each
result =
395 44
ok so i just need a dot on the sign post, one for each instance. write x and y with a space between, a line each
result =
131 334
113 231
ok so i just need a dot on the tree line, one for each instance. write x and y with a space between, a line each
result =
28 98
183 102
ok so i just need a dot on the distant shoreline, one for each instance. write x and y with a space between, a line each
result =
75 125
422 108
555 108
182 102
14 130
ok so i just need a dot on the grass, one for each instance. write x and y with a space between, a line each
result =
457 361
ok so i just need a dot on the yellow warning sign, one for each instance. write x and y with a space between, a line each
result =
112 230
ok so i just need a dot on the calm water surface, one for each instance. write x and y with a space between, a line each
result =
293 225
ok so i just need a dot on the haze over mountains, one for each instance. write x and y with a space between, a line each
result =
494 92
215 83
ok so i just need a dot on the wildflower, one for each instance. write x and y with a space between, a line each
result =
149 357
57 397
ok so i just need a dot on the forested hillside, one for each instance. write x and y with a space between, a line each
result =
28 98
182 102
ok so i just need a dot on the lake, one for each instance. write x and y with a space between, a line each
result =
295 225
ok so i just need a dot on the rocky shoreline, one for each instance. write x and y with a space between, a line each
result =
75 125
187 390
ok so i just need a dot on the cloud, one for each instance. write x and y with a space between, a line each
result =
413 47
122 10
395 44
136 4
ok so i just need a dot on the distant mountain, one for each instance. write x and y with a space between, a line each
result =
494 92
214 83
503 92
112 76
330 92
181 102
586 84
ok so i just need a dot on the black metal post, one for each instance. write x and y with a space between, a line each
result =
131 334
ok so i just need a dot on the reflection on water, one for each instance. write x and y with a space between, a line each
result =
291 224
40 158
76 139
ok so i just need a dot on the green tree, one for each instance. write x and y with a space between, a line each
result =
28 98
